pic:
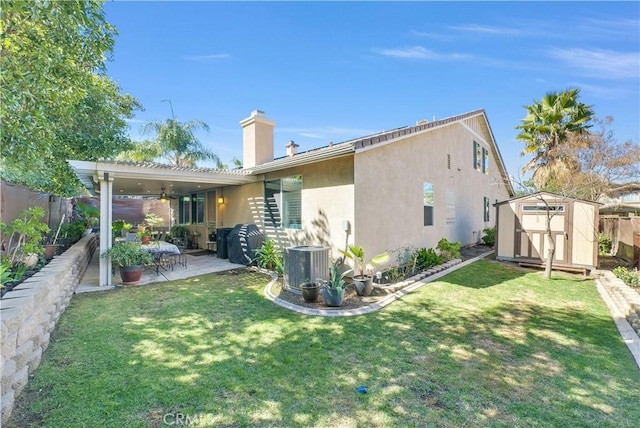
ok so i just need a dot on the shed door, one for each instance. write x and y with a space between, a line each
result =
531 240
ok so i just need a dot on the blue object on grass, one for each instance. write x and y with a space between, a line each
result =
362 390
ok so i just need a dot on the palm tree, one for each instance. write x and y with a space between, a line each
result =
175 142
546 128
547 131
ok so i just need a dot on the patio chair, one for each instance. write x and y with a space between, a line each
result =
180 258
162 260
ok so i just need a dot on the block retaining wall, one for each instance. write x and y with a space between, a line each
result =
626 299
29 313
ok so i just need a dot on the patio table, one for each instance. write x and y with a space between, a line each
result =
161 247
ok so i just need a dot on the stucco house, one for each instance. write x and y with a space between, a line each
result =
408 186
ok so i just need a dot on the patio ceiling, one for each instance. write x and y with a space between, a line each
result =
148 179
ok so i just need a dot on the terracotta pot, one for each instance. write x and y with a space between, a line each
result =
145 239
131 274
50 251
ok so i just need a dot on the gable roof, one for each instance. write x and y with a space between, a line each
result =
543 194
86 171
387 137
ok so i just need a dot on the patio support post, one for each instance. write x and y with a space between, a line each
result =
106 204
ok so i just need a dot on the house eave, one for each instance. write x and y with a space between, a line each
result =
314 156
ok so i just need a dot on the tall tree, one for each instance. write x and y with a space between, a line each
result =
604 164
55 99
175 142
545 130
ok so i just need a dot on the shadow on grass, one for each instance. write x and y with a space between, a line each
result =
225 356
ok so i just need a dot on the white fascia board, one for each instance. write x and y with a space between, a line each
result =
91 169
341 150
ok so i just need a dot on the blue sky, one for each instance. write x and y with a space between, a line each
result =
332 71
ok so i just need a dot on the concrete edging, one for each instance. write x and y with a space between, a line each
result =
449 267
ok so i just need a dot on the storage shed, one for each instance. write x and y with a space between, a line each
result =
521 231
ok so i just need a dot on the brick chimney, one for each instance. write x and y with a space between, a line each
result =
292 148
257 139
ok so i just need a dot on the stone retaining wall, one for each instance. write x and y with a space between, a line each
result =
29 313
626 299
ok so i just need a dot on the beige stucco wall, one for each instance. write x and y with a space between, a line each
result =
506 228
585 240
389 190
327 201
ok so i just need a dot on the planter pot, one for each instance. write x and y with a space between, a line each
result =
333 296
50 251
145 239
310 291
131 274
364 285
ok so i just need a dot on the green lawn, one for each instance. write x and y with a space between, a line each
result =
487 345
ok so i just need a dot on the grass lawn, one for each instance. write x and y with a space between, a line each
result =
488 345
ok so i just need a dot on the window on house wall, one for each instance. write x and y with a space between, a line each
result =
487 205
428 197
198 208
477 156
283 202
485 161
480 158
184 209
191 209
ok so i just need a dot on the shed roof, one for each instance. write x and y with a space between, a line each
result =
536 195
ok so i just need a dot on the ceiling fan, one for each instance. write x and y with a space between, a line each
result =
164 197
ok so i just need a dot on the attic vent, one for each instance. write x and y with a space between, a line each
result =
448 161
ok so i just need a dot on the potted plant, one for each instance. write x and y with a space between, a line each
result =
311 290
50 241
333 289
363 283
120 228
153 220
131 259
144 236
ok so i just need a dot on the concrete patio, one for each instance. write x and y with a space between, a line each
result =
196 265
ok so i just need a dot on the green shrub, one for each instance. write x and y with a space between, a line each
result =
489 237
72 232
427 258
629 277
269 257
604 244
448 250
